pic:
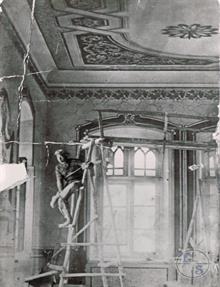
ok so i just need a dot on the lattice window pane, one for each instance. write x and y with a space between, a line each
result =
119 158
212 163
116 166
139 159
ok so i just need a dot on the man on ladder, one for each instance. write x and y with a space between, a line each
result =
69 174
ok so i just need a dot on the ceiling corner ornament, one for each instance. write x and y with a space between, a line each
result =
194 31
85 4
129 119
99 49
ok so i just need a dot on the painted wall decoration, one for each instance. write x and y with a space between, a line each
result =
194 31
127 94
89 22
103 50
85 4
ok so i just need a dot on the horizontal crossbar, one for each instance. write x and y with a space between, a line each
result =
90 244
71 275
42 275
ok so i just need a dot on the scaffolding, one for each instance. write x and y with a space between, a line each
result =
88 145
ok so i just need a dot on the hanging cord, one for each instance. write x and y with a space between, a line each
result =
48 154
165 136
42 143
25 66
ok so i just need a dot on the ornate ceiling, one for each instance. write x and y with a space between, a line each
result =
134 33
129 43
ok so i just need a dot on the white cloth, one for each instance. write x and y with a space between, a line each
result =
11 175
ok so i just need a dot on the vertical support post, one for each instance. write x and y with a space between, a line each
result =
101 125
105 184
216 137
98 231
72 227
17 216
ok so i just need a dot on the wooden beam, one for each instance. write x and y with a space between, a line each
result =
42 275
161 114
72 275
89 244
173 144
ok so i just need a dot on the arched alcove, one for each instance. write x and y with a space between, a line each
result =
26 132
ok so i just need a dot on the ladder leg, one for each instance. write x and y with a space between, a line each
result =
98 231
105 183
78 203
71 229
118 253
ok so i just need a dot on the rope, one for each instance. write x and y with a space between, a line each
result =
41 143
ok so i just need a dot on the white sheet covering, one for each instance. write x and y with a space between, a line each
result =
12 175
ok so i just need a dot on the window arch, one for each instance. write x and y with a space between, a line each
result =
25 192
26 132
144 162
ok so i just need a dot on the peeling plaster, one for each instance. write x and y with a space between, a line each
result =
20 76
1 1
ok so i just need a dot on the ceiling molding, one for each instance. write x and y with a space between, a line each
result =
93 78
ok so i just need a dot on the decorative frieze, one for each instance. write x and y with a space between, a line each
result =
176 94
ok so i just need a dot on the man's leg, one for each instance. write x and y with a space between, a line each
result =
54 199
65 212
65 193
70 188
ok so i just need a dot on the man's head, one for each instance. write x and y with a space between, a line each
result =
61 155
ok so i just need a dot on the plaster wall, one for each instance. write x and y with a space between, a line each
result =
14 266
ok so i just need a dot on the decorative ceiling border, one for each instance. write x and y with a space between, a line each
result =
86 4
175 94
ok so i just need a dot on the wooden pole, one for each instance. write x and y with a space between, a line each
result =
216 136
98 230
84 228
150 113
118 253
172 144
72 227
105 184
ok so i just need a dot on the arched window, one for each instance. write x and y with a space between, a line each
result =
26 132
24 201
139 199
144 162
116 166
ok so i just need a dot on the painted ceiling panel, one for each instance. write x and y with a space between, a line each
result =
145 33
147 19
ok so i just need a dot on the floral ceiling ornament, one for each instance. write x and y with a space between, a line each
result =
195 31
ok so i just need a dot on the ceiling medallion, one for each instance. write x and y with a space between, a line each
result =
194 31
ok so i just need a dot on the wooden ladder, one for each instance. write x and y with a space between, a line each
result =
73 234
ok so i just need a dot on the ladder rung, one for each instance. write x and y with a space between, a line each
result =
69 275
41 275
55 267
